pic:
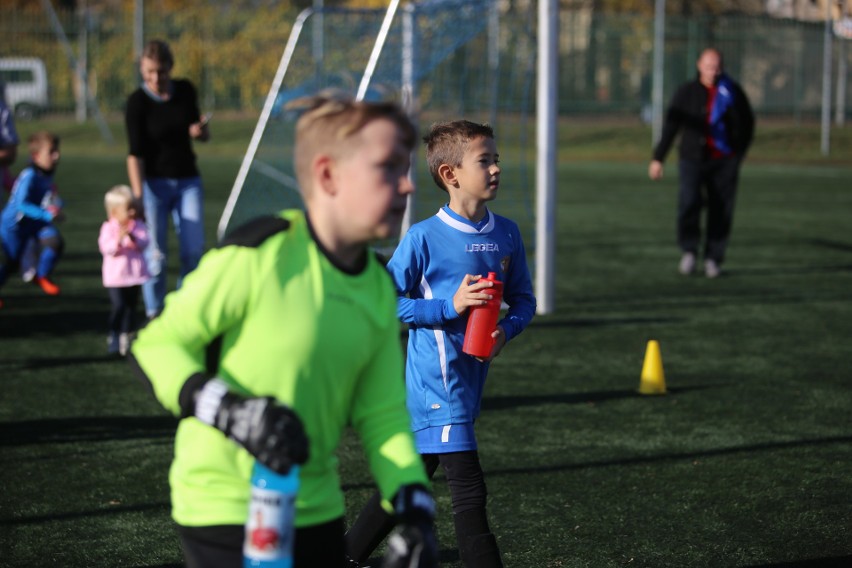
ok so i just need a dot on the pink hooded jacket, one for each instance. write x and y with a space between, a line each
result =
123 264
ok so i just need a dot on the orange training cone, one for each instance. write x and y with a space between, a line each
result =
653 380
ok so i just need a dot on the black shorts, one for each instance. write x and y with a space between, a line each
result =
222 546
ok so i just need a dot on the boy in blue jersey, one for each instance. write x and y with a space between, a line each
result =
438 269
26 217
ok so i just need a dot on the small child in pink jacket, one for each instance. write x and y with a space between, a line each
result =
122 240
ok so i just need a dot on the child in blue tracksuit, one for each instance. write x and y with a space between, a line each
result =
438 270
27 216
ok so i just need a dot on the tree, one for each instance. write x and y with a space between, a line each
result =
679 7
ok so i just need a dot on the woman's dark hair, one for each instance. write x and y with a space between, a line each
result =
159 51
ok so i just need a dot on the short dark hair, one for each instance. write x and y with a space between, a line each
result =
40 139
447 142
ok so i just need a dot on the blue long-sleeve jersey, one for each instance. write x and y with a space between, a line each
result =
444 384
26 199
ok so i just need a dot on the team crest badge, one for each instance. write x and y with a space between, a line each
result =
504 264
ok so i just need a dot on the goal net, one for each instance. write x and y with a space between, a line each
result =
441 59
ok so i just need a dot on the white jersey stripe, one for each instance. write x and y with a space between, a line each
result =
426 290
464 227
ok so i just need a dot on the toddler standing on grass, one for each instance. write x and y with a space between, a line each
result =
122 240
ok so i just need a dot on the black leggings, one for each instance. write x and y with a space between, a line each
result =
122 316
222 546
467 489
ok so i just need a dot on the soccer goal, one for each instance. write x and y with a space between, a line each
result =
441 59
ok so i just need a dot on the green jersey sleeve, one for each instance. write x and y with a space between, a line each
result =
382 421
212 298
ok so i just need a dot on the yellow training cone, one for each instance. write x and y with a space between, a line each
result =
653 380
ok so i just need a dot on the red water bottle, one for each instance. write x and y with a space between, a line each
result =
482 321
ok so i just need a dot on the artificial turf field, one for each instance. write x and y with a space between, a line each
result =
745 462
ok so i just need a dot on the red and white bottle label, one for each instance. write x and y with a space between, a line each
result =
269 529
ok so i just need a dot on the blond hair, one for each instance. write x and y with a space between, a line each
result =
330 121
118 196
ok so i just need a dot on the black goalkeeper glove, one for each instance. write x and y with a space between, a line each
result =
412 544
269 431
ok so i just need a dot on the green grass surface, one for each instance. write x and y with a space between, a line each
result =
745 462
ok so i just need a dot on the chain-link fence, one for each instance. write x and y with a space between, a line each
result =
605 61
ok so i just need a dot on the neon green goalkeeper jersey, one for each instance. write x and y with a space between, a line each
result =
294 326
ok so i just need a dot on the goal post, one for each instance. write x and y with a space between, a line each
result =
441 60
286 180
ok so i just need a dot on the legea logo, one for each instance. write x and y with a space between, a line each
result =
482 247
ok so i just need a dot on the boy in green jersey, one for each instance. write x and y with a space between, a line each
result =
283 336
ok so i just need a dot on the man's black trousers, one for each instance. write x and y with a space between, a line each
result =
713 182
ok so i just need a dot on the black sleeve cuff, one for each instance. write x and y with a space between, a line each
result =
186 398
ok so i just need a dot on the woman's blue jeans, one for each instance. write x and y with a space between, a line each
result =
182 199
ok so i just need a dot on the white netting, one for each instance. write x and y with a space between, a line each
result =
439 58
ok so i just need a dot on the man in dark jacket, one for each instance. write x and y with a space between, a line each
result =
717 125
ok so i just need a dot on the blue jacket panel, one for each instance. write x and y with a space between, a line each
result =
28 193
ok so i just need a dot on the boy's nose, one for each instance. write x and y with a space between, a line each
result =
406 186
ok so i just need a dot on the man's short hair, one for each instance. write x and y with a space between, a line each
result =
328 123
41 138
447 142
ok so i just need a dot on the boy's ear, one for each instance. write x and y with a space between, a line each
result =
448 175
323 174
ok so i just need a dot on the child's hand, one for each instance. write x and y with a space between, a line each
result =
137 209
499 337
58 215
471 294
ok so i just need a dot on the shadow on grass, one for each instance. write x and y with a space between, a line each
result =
48 363
833 562
445 556
514 401
773 446
700 298
163 507
769 270
600 322
86 429
19 321
832 245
